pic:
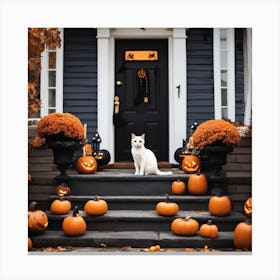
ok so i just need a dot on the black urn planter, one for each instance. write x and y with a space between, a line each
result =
212 160
63 151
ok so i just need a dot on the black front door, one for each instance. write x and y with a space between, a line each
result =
141 96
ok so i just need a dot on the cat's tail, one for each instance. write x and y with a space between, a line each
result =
164 173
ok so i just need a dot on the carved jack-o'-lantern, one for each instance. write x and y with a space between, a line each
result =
248 207
62 190
191 164
86 164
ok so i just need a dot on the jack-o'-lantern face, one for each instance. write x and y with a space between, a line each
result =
191 164
62 190
248 207
86 164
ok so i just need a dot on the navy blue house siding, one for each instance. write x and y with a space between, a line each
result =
200 77
80 75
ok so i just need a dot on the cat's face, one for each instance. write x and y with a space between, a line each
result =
137 141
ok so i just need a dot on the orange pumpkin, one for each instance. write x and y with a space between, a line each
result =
219 206
178 187
96 206
74 225
248 207
60 206
242 236
37 219
191 164
167 208
86 165
197 184
62 190
187 226
30 245
208 230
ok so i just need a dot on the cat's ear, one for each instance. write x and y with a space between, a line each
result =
143 136
133 135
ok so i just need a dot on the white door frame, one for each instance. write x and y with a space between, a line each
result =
177 77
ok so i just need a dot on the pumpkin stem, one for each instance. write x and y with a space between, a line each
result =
32 205
96 197
75 211
209 222
198 172
187 218
167 197
248 221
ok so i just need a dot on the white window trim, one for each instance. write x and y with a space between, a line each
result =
217 74
177 76
44 94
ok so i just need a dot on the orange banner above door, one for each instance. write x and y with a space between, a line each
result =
141 55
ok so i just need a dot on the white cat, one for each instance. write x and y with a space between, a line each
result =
145 161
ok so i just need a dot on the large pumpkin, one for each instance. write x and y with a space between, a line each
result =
37 219
167 208
191 164
197 184
178 187
187 226
96 206
74 225
242 236
209 230
219 206
60 206
86 165
248 207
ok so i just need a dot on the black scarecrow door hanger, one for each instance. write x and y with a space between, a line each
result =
143 91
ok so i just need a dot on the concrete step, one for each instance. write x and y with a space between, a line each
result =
145 220
185 202
137 239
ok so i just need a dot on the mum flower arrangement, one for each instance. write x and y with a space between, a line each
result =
214 132
63 126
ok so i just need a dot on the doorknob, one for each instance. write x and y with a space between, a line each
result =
118 83
116 105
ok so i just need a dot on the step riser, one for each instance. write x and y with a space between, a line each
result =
119 225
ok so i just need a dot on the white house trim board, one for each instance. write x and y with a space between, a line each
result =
177 76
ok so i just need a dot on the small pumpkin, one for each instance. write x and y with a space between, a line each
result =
37 219
96 206
186 227
191 164
62 190
219 205
60 206
197 184
242 236
167 208
248 207
30 244
74 225
209 230
86 165
178 187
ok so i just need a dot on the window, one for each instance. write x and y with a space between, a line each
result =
224 78
51 86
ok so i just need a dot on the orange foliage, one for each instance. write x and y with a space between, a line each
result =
213 131
38 40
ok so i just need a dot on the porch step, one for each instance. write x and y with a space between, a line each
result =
124 183
137 239
146 220
185 202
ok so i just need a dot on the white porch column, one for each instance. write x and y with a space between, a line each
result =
104 100
177 91
247 75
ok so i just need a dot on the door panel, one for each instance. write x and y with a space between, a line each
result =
150 118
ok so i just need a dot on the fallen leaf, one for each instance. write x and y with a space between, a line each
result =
126 248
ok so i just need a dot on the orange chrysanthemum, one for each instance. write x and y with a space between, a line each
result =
215 131
65 123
